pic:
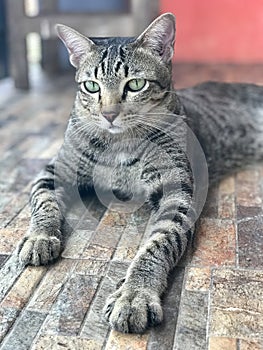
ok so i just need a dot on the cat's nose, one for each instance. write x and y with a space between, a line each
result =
111 114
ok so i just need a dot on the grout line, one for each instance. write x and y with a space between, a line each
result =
236 223
209 301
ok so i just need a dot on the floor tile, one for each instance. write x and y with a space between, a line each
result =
7 319
250 243
24 331
236 304
218 343
192 322
119 341
59 342
250 345
20 293
198 279
215 243
69 310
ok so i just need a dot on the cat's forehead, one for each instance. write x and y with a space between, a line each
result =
109 60
112 41
112 61
112 50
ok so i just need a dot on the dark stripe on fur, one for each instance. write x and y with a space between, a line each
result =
118 66
155 197
45 183
182 209
122 54
186 188
47 204
50 168
96 72
179 243
126 71
150 174
175 217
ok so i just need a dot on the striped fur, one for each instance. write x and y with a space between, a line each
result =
143 152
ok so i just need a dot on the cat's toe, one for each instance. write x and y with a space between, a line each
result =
38 249
133 311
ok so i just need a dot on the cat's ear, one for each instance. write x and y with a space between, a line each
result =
159 36
77 44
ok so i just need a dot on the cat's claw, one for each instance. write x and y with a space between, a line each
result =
130 310
38 249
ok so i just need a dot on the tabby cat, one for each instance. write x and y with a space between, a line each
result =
128 136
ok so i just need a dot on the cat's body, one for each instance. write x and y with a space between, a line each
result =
128 136
227 120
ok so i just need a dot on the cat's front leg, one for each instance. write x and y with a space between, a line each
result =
136 305
133 308
43 241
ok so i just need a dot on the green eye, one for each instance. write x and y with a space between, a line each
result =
136 84
91 86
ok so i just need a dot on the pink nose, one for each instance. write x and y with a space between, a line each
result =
110 115
111 112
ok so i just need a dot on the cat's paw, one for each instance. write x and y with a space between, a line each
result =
38 249
131 310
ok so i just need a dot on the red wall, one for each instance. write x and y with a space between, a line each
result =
218 30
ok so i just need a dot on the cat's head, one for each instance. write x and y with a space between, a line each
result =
120 80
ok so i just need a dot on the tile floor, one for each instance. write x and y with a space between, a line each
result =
215 296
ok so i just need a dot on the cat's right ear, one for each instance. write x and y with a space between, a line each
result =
77 44
159 37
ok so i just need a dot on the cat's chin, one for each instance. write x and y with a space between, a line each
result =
114 129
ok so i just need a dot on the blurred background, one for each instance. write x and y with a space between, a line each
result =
218 31
227 31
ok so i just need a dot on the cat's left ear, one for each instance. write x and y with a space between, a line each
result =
159 37
78 45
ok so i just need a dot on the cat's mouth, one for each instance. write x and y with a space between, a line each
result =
114 129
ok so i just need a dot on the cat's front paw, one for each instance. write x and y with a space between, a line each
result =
38 249
131 310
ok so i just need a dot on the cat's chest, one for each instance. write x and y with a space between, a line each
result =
119 172
119 183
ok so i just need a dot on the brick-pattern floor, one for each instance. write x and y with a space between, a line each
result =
215 296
